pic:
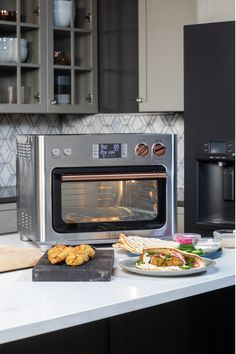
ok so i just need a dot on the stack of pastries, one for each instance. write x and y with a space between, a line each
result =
71 255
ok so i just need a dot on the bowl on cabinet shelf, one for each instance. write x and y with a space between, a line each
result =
8 94
62 13
62 58
9 49
7 15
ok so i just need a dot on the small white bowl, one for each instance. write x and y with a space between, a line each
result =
62 13
9 52
208 245
226 237
5 54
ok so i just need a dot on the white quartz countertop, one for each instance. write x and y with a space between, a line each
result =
30 308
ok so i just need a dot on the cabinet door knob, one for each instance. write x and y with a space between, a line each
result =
53 102
139 99
37 97
89 97
36 11
89 17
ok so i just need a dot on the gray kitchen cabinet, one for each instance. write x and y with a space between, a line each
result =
215 11
22 57
72 59
180 218
8 219
56 51
161 53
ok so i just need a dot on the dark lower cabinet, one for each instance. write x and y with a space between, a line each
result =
90 338
196 325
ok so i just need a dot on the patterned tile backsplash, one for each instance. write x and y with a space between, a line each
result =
13 124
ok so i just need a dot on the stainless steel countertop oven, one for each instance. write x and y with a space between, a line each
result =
89 188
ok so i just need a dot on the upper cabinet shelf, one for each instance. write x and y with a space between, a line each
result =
48 56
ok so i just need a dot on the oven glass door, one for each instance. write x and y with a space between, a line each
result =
108 199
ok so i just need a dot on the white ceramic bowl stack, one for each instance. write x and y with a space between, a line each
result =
62 13
9 49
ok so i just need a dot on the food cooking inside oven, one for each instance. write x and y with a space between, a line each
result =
109 201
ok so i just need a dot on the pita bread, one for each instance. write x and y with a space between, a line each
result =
136 244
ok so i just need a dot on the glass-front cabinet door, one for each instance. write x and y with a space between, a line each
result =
72 56
22 56
48 56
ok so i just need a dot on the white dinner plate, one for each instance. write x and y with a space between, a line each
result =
129 265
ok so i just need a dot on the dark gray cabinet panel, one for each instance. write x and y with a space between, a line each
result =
209 112
91 338
178 326
118 55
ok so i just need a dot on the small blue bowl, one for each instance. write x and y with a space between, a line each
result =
213 255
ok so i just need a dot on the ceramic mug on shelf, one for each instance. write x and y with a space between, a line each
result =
62 88
62 13
8 94
9 49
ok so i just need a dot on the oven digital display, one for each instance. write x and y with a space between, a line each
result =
217 147
109 150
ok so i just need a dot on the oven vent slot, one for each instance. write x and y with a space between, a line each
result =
24 150
24 220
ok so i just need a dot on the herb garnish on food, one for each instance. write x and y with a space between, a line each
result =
186 247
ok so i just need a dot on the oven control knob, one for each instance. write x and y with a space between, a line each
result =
158 149
142 150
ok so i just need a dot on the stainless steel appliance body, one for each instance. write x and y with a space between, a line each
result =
89 188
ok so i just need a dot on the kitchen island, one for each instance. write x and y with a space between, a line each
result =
110 312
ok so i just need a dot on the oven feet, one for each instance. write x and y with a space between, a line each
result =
24 238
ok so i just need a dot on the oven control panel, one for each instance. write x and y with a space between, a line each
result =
110 150
118 150
114 150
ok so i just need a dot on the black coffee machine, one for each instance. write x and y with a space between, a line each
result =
209 115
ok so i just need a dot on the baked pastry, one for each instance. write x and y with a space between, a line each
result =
85 249
72 255
58 253
76 258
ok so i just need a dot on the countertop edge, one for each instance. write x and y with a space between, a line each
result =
51 325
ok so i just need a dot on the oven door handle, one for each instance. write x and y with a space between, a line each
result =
113 177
